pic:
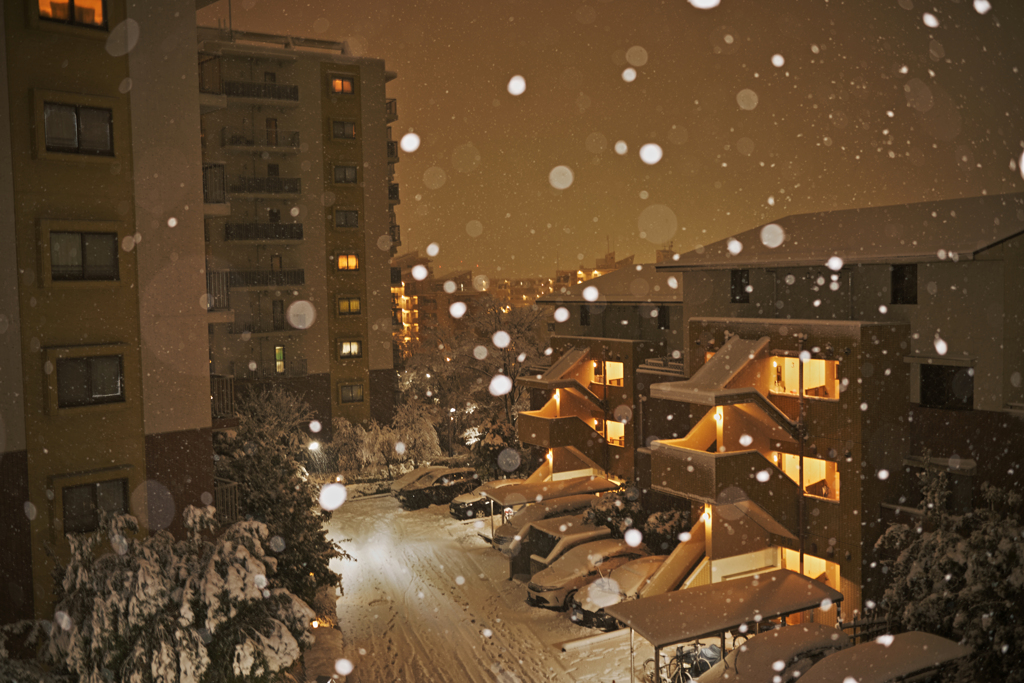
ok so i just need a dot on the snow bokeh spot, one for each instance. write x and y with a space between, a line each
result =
460 580
433 249
778 665
733 246
487 633
629 75
301 314
982 6
636 56
500 385
778 60
826 605
516 86
332 496
834 263
705 4
883 309
863 406
561 314
277 544
509 460
657 223
883 475
457 310
30 510
746 99
480 352
633 538
885 640
344 667
315 426
746 440
772 235
63 620
435 178
930 20
940 345
590 293
420 272
651 153
172 222
560 177
684 537
763 476
621 147
410 142
501 339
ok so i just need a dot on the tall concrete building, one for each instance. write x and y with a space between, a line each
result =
299 198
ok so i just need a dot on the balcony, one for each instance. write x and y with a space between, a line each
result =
261 232
225 499
396 236
217 297
392 151
213 184
269 185
269 140
258 278
565 432
292 368
391 110
393 197
261 91
222 396
259 328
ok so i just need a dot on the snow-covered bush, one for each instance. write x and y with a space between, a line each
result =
961 576
615 511
662 529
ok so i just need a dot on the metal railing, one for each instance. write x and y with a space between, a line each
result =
263 231
260 328
225 499
396 236
222 396
217 297
393 192
392 150
265 185
213 184
292 368
264 91
236 137
391 109
265 278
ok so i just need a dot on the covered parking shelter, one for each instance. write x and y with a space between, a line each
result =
694 613
536 491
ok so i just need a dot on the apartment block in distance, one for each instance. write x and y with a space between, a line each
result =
104 379
299 198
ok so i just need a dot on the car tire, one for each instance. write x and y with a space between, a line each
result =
568 600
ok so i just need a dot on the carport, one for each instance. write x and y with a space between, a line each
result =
694 613
532 492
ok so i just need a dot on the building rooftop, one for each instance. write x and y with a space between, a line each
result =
632 284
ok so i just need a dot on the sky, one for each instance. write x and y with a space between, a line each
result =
761 109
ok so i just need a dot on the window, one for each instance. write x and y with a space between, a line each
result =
346 219
351 393
904 283
92 380
344 130
274 215
277 313
279 360
273 171
821 477
213 184
584 315
348 262
947 386
821 377
344 85
739 288
348 306
83 504
269 77
664 323
78 130
396 276
83 256
79 12
344 174
350 349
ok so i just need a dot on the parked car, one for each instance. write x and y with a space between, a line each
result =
911 656
475 504
799 647
586 608
553 586
438 487
409 478
534 512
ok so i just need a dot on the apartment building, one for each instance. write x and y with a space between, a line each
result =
299 197
104 379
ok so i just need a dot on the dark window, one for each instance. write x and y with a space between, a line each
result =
584 315
348 306
350 349
277 312
344 130
396 276
83 256
274 215
213 184
344 174
351 393
344 85
273 171
269 77
664 322
89 381
78 130
904 284
83 504
739 287
346 219
947 386
79 12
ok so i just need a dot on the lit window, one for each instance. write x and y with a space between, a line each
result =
350 349
613 374
344 85
83 504
821 377
80 12
78 130
83 256
348 306
344 174
351 393
92 380
344 130
348 262
346 219
279 359
821 477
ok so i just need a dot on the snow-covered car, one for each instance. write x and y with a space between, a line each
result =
798 647
412 477
586 608
911 656
475 504
553 586
438 487
534 512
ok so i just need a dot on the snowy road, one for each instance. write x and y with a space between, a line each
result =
429 600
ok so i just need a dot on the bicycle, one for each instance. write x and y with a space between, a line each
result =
689 662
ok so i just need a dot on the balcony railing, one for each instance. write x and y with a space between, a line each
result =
236 137
391 110
393 192
217 298
292 368
225 499
261 328
213 184
392 150
264 278
222 396
263 231
263 91
265 185
396 236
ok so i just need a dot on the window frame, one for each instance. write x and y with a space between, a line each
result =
125 260
78 149
356 344
95 486
349 300
345 129
348 213
347 167
53 355
342 78
103 26
350 398
350 260
40 98
94 400
83 265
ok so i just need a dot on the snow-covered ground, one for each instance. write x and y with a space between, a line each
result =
429 600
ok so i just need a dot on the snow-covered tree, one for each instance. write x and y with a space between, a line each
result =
961 576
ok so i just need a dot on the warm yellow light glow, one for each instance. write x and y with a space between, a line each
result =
550 456
315 623
718 413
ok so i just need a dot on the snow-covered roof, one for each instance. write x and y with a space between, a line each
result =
693 613
885 660
410 477
633 284
756 660
549 490
904 233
